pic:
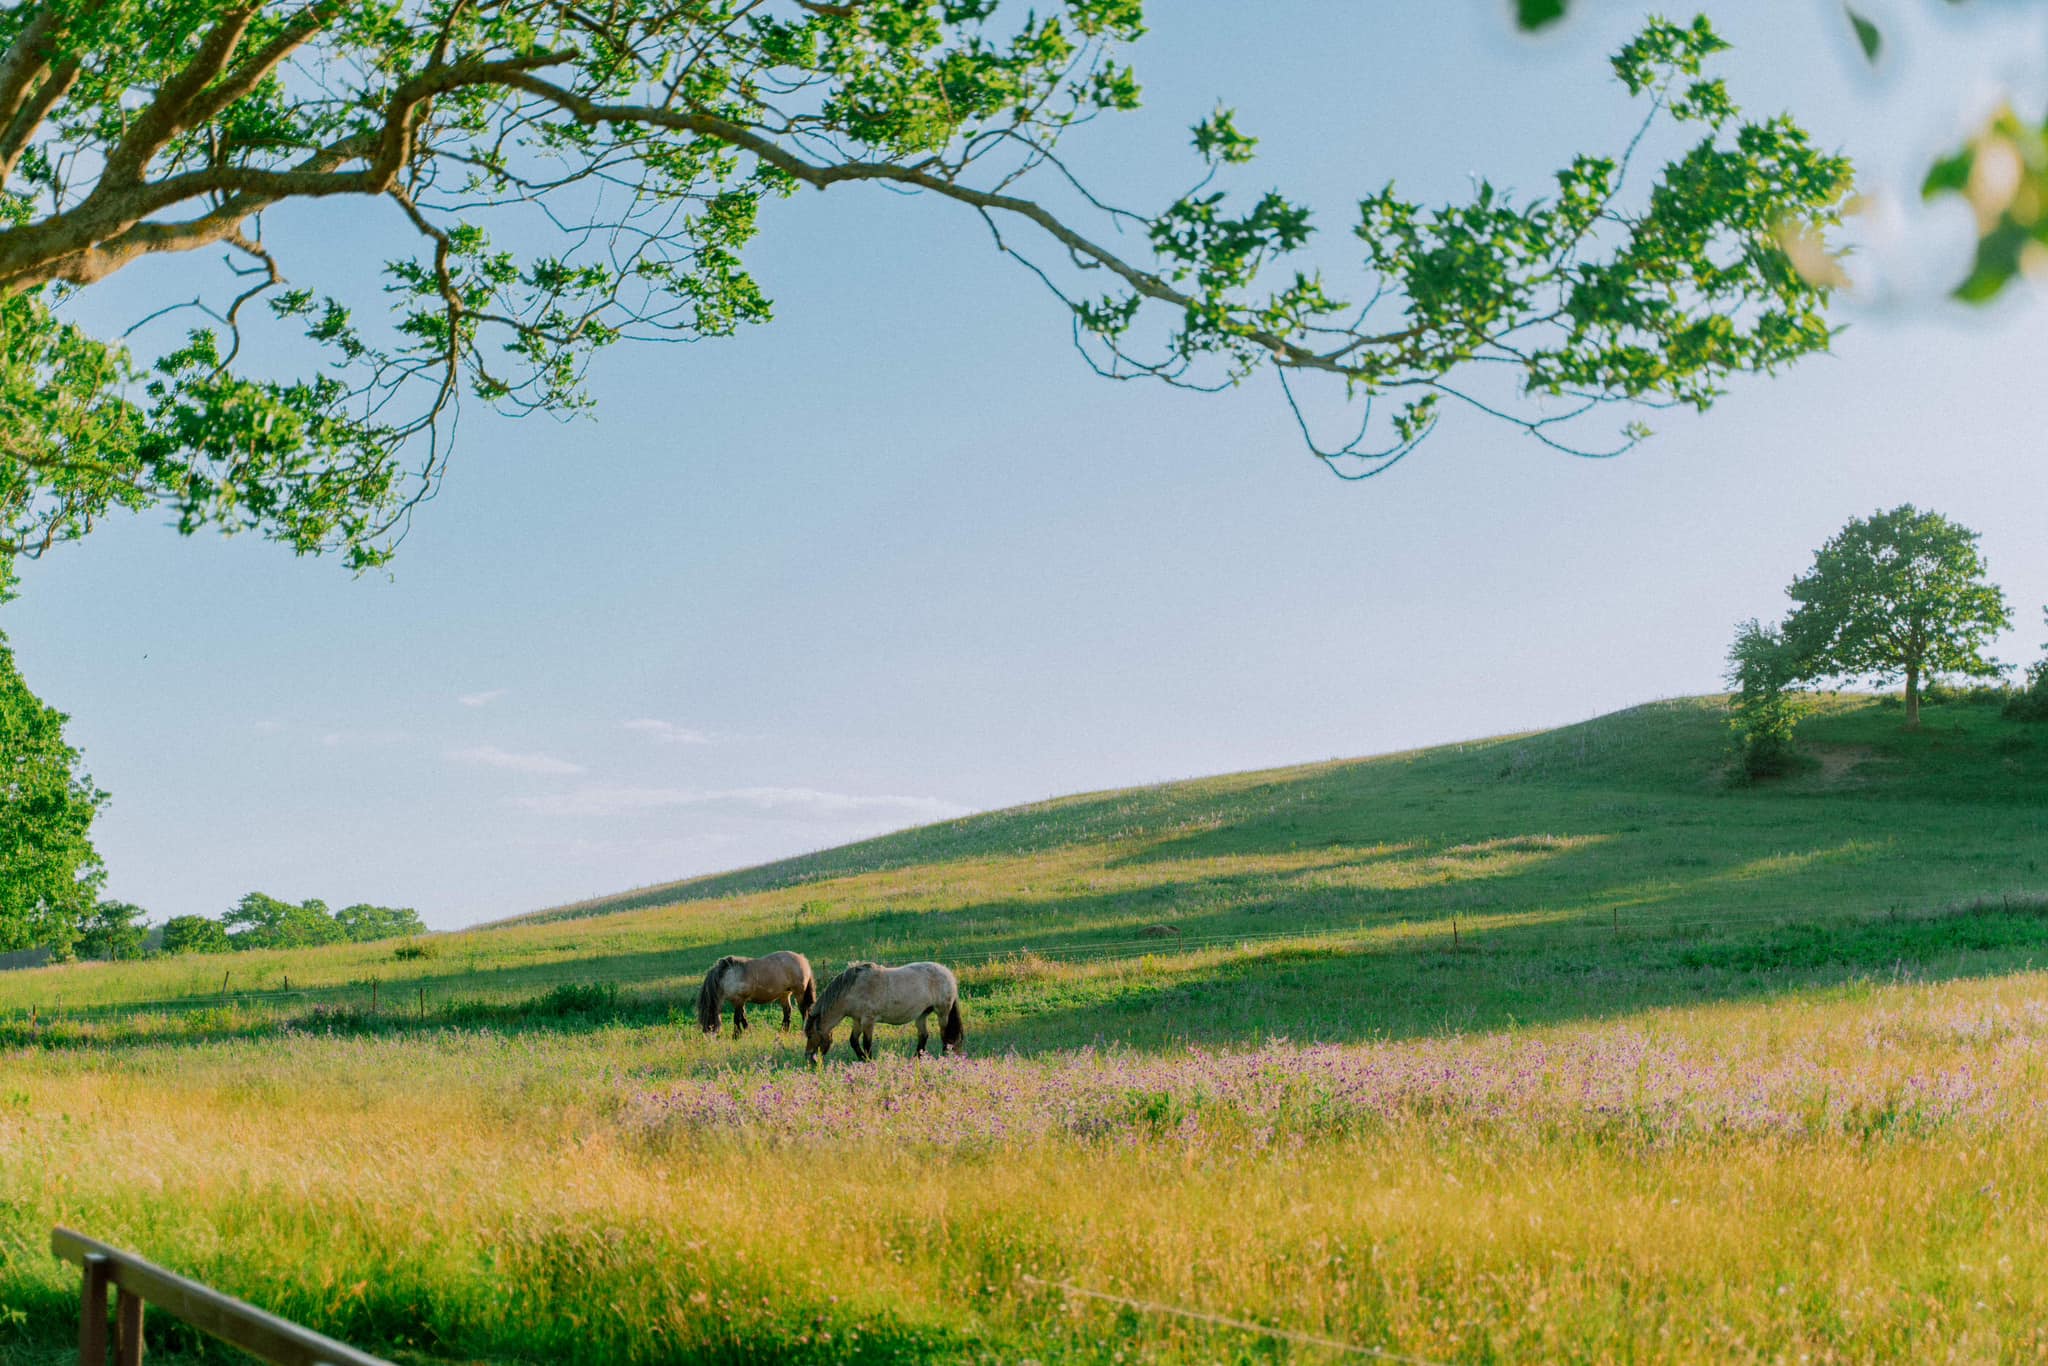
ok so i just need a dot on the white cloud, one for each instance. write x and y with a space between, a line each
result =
481 699
669 733
669 848
790 803
492 757
808 802
269 727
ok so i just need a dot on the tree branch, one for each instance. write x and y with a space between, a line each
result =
823 176
108 229
170 112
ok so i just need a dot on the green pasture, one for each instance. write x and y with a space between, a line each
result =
444 1151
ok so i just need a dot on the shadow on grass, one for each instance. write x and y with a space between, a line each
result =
1502 977
1361 880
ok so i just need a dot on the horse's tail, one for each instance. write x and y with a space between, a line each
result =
954 1033
708 998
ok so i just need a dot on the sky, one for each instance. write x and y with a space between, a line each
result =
899 555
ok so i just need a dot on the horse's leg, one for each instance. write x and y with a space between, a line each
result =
786 1013
739 1018
869 1035
922 1033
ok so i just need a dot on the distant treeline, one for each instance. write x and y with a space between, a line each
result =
115 929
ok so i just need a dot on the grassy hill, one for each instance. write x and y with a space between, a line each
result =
1617 852
1407 1053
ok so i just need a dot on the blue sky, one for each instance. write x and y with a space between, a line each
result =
898 555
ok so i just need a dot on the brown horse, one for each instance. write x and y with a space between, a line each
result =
770 979
868 992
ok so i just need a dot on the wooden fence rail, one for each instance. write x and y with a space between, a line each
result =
136 1282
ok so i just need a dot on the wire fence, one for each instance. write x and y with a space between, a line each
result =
1475 930
1250 1326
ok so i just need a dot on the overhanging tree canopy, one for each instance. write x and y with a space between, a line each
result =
640 141
2001 171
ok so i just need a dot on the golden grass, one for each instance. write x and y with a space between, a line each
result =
468 1194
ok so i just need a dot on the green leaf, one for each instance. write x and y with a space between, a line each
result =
1534 14
1950 175
1868 36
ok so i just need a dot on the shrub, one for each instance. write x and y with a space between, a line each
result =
414 949
2031 702
1967 694
1766 705
571 998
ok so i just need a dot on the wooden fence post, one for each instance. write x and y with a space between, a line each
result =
264 1336
127 1329
92 1313
373 996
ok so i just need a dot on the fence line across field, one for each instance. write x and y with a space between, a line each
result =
407 994
1239 1325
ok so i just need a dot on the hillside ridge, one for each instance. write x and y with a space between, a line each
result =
1677 745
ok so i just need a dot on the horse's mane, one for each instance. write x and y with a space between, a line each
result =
841 984
707 995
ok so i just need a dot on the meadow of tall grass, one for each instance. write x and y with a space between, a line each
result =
1856 1172
1553 1048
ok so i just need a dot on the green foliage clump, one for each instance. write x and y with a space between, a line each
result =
365 924
50 874
1896 595
1767 703
1940 692
113 931
194 934
2031 702
578 998
259 921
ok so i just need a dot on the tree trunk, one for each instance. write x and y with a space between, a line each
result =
1913 695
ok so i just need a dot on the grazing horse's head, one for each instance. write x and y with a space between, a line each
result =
817 1036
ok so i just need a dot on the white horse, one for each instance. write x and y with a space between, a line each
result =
868 992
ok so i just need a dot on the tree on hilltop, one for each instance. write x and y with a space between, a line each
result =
260 921
1897 595
194 934
113 930
363 923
